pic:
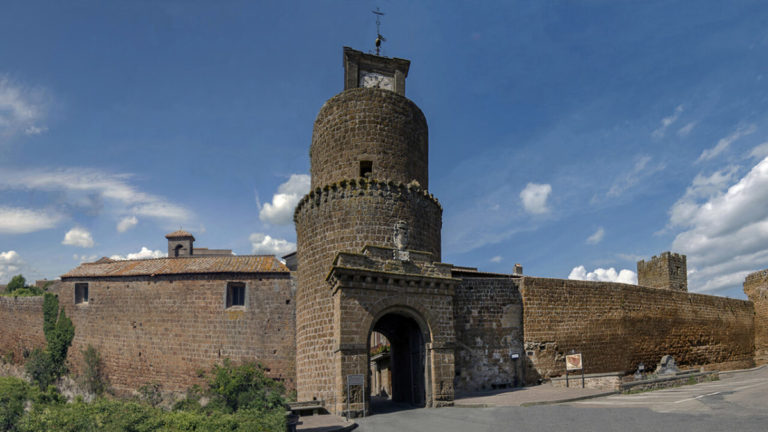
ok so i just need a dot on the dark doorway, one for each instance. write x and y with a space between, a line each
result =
407 358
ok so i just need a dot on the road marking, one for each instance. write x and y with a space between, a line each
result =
697 397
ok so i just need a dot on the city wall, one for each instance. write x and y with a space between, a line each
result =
22 326
166 329
488 317
616 326
756 288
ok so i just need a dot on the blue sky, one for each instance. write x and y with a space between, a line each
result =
571 137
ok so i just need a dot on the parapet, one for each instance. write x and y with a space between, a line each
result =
666 271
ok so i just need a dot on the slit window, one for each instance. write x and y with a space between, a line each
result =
81 293
235 294
366 168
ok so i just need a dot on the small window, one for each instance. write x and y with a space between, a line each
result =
177 250
81 293
235 294
366 168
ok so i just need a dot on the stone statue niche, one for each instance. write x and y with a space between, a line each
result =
400 239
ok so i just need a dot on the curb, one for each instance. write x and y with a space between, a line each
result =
738 371
529 404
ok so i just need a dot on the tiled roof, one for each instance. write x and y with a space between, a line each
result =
181 265
179 233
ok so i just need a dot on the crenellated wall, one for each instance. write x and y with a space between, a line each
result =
756 288
488 316
616 326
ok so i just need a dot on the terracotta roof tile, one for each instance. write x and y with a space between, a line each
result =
181 265
179 233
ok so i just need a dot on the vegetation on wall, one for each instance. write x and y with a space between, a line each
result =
18 287
46 366
242 398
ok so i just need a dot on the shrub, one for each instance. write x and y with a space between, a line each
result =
243 387
151 394
13 394
41 369
17 282
92 378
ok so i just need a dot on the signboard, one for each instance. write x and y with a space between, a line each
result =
573 362
355 380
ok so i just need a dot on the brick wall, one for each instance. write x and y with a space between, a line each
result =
756 288
668 271
488 317
165 329
616 326
22 325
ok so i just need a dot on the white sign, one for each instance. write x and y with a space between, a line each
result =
573 362
355 380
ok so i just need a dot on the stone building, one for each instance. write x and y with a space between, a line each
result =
368 262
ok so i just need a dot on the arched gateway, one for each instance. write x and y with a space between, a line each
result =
368 246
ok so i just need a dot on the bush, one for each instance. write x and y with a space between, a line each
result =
151 394
17 282
41 369
92 378
13 394
243 387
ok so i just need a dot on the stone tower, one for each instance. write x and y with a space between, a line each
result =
180 244
668 271
369 188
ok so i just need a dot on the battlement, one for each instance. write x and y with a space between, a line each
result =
361 187
668 270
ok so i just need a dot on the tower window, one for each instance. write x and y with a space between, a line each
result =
235 294
177 250
81 293
366 168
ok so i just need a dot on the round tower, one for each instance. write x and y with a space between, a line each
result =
369 163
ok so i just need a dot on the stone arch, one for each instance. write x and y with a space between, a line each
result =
410 336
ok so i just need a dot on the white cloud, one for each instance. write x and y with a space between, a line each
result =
20 221
280 210
759 152
21 109
144 253
78 236
725 142
726 233
263 244
639 171
603 275
597 237
85 258
497 259
92 186
667 122
685 130
10 264
534 197
127 223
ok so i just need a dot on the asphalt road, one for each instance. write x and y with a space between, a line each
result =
738 402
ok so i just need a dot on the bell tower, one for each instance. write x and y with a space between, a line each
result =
369 168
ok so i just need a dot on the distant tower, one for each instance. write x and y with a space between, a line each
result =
369 163
180 244
668 271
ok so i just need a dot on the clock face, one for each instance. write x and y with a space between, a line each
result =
376 80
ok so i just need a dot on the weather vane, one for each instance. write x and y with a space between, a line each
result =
379 37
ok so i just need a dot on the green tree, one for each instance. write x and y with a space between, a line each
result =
17 282
46 366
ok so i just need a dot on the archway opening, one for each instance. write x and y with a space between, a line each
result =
398 356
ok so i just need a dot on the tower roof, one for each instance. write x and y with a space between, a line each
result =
179 234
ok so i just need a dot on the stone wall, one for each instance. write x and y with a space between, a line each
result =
756 288
22 325
165 329
616 326
346 217
488 316
374 125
